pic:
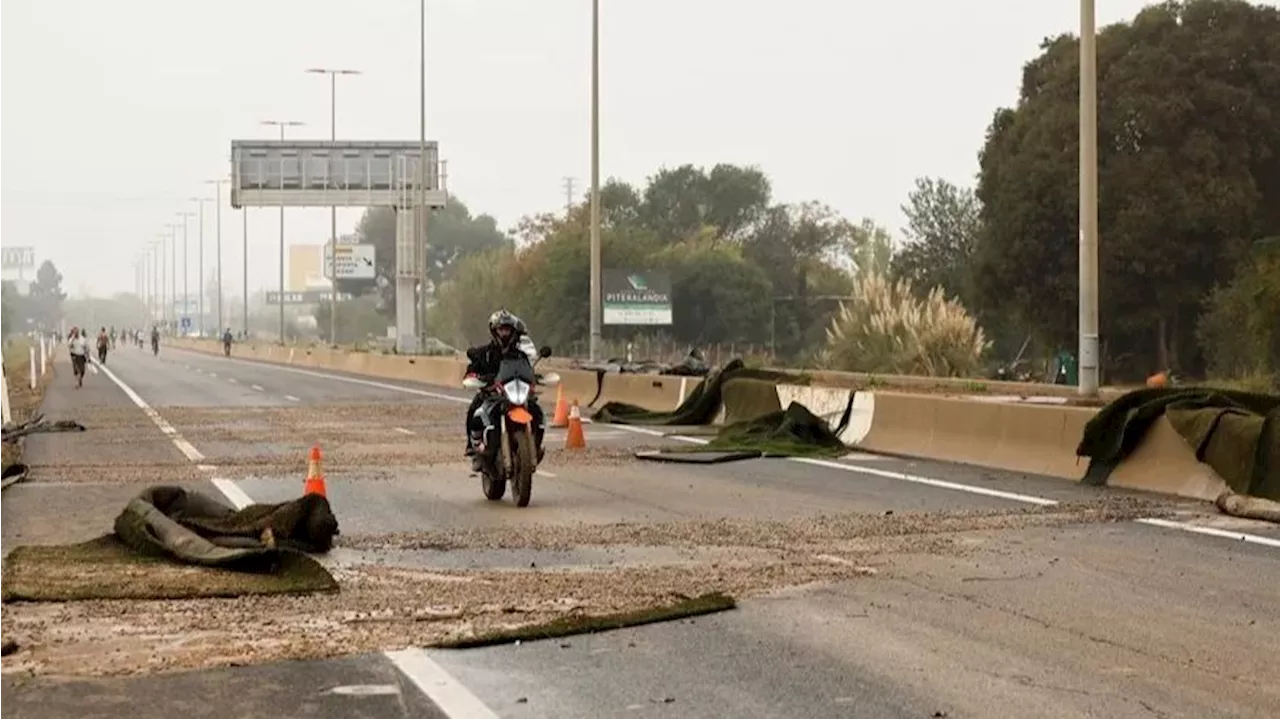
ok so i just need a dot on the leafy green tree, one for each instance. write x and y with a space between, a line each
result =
1189 163
44 303
1240 329
678 203
480 284
716 295
799 247
943 221
10 312
358 321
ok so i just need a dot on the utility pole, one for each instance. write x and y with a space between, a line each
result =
333 211
200 266
421 223
218 205
596 309
568 196
282 124
1087 367
186 268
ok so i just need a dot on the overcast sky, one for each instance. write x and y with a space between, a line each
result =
116 111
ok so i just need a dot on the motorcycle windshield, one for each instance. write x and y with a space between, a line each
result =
517 368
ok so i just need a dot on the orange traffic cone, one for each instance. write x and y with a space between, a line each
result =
575 439
315 478
561 418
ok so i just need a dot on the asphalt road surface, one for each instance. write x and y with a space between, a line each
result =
975 608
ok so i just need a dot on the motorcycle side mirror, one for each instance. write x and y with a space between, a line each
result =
545 351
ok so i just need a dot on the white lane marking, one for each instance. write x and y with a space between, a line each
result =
1212 532
238 497
545 473
291 398
233 380
916 479
354 380
257 387
213 375
364 690
183 445
402 430
447 693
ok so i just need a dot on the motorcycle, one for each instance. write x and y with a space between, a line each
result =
507 450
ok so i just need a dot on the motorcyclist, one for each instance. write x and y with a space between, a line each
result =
509 338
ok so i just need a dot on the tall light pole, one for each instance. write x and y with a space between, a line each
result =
282 124
173 228
244 238
596 308
420 224
186 268
157 247
333 211
200 264
1087 368
218 210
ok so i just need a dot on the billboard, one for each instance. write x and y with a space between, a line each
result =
310 297
636 297
314 173
355 262
18 258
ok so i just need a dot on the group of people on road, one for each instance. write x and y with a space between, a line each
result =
78 346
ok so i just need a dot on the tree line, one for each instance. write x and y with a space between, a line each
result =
1189 176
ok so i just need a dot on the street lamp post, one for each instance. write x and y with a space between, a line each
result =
157 247
218 211
282 124
200 264
333 211
172 227
186 267
596 308
1088 364
420 225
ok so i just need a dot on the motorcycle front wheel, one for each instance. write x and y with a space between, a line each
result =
526 465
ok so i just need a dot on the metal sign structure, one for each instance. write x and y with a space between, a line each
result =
18 258
310 297
354 262
303 173
280 173
636 298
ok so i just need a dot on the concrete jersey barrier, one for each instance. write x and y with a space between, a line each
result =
1035 437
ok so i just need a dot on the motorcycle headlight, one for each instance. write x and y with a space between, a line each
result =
517 391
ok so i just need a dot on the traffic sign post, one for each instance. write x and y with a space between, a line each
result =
310 297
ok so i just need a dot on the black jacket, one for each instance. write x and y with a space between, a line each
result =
483 361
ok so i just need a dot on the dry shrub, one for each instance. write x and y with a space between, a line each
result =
889 330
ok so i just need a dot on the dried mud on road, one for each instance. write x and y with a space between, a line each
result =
382 606
394 592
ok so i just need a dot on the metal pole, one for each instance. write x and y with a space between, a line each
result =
282 254
333 211
333 219
421 222
282 124
596 309
1088 363
200 273
244 217
219 255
